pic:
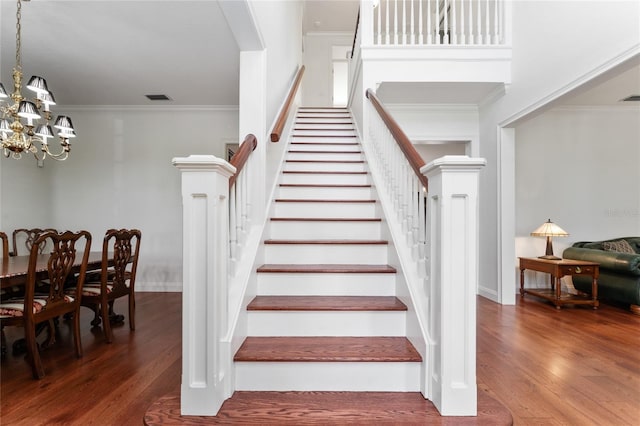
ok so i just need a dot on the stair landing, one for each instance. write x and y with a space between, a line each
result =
327 408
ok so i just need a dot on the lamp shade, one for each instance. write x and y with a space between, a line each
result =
549 229
37 84
44 131
5 126
27 109
3 93
63 123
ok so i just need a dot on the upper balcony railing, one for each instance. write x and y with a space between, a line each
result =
438 22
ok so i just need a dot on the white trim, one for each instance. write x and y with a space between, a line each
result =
572 85
628 106
187 108
431 107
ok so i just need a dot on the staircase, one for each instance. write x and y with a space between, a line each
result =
326 317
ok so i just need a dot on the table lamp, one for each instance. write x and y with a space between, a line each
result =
549 230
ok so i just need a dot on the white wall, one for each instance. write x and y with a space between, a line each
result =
556 45
443 123
119 174
579 167
317 58
280 23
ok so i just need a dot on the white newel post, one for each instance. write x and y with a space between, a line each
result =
205 253
452 218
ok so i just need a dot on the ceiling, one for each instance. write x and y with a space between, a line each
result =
114 52
108 52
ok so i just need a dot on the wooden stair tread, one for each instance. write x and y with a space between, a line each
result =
305 200
327 268
326 303
327 408
326 219
327 349
339 242
323 172
301 151
327 161
323 185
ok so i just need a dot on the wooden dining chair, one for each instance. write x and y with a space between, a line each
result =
117 278
5 245
69 254
24 238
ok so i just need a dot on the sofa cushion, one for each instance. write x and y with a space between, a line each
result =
619 246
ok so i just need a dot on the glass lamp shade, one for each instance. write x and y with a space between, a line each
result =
3 93
549 229
63 123
37 84
28 110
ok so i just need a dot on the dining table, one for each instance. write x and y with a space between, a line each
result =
14 268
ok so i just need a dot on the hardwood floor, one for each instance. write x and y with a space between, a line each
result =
574 366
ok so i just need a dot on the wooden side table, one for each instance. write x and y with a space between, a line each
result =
558 269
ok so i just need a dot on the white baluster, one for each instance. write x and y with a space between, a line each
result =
420 34
496 22
429 26
487 25
479 29
437 23
233 236
412 27
387 27
404 22
395 22
462 30
378 12
447 34
471 39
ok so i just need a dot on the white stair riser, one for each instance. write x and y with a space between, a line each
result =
305 115
299 230
326 156
325 193
325 167
320 147
331 210
328 376
323 139
328 132
366 254
328 179
347 126
326 284
334 323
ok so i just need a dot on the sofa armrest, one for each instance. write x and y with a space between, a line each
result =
623 263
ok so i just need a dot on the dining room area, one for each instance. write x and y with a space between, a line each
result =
48 275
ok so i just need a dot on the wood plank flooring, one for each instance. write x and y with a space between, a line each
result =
573 366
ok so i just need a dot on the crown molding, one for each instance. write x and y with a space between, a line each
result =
158 108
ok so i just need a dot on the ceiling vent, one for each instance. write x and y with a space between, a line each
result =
632 98
158 97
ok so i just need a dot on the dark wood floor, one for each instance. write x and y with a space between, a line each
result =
575 366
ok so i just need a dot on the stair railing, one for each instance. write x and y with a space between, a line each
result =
400 164
435 234
284 111
438 22
240 200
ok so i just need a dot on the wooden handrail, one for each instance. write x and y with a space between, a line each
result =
282 118
242 155
355 35
401 138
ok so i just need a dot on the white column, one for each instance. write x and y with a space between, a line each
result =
252 119
205 239
452 220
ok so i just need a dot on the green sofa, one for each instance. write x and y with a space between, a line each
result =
619 279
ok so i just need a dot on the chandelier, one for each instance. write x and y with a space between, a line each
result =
26 122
